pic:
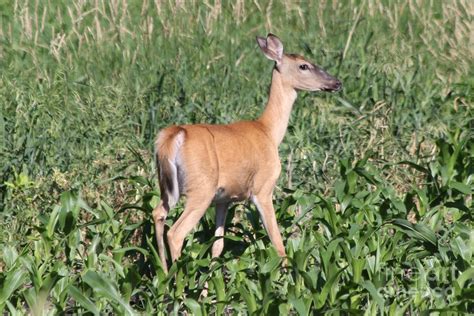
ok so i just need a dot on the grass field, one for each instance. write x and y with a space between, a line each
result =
375 197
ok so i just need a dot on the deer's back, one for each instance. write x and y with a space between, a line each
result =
231 160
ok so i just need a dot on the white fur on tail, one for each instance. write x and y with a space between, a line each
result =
167 152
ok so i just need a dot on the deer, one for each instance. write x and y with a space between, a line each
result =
222 164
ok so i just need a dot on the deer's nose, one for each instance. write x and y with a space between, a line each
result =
333 85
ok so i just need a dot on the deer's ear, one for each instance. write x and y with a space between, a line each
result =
271 47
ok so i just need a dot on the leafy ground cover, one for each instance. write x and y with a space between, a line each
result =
375 197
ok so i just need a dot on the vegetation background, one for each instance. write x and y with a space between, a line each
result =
375 196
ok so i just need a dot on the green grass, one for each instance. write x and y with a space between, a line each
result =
375 197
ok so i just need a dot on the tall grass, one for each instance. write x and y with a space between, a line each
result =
375 197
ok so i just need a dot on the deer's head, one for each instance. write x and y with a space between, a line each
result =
296 71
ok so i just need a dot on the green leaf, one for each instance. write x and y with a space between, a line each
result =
418 231
52 222
339 189
139 179
463 278
14 279
310 278
249 299
331 213
104 287
83 301
9 256
126 249
424 203
108 210
399 205
357 266
322 297
461 187
462 248
370 177
49 282
68 212
219 287
415 166
351 178
270 265
369 286
301 305
348 105
194 306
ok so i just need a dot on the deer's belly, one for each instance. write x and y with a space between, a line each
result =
228 193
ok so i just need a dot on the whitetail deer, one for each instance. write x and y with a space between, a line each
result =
221 164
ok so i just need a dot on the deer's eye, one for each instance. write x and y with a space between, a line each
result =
304 67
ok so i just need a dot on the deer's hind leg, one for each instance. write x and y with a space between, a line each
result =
159 217
196 206
221 212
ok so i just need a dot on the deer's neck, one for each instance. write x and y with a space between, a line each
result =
276 115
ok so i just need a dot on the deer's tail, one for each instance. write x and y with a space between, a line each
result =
167 146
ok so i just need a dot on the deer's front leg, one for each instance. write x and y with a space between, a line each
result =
264 204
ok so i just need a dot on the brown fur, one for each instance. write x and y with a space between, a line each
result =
224 163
